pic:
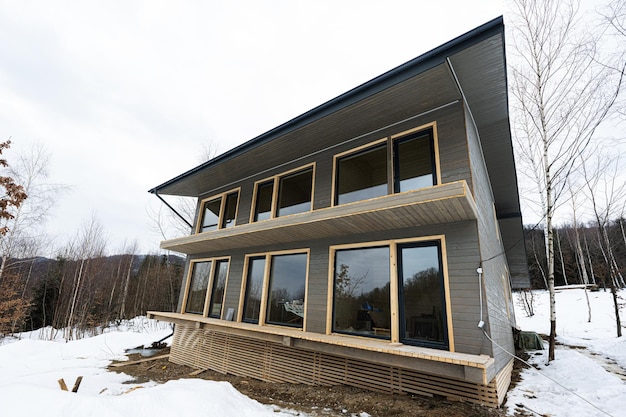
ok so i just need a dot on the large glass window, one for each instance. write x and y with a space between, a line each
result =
414 162
295 193
196 292
422 313
366 174
211 216
364 280
362 175
230 210
362 292
263 204
254 289
287 282
220 212
218 288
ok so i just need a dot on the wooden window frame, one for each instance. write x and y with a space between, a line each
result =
265 290
275 179
393 245
390 142
207 298
220 221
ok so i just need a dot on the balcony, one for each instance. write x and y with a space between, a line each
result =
443 203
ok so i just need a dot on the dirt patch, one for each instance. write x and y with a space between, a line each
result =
313 400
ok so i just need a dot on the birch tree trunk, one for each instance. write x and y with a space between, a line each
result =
561 95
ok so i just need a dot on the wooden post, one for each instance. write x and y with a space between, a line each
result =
77 384
62 384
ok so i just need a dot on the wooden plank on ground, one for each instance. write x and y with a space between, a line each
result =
197 372
62 384
153 358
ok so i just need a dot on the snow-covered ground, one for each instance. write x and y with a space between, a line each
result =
589 361
588 375
30 368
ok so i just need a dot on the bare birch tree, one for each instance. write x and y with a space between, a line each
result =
560 97
24 238
579 256
607 195
614 17
129 259
88 245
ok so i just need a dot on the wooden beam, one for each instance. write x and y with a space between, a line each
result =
153 358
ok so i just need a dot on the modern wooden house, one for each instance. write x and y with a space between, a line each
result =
372 241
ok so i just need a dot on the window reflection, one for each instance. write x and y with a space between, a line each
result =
414 162
263 204
295 193
286 289
361 292
254 289
422 294
211 216
198 287
230 210
219 285
362 176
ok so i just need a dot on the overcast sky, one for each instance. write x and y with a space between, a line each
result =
125 94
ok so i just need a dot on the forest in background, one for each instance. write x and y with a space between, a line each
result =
82 294
585 254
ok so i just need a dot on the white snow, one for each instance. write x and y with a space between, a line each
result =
30 368
589 361
588 375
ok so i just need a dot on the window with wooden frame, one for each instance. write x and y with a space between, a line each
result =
284 194
197 286
373 170
219 212
206 286
394 290
274 289
218 288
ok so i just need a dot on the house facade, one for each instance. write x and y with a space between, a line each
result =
372 241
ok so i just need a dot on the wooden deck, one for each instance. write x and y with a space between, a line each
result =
444 203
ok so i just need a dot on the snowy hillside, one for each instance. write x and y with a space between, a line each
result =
588 376
30 368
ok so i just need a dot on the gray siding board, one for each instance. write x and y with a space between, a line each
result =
233 285
495 276
317 293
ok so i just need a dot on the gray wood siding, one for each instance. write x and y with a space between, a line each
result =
497 296
233 285
462 238
317 292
